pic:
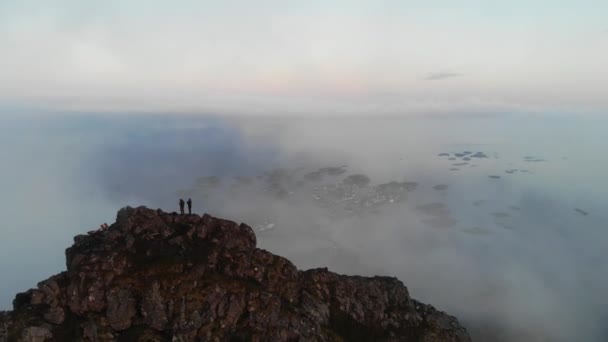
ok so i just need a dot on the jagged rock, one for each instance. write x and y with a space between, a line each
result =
36 333
55 315
153 308
121 308
154 276
5 322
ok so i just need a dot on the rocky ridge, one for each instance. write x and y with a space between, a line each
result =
156 276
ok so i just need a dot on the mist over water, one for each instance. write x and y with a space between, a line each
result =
509 255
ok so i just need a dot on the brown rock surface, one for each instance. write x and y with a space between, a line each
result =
154 276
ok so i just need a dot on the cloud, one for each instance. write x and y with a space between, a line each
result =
539 280
441 75
207 58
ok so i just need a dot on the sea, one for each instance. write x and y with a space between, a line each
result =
497 219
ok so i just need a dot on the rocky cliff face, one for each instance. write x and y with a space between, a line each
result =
154 276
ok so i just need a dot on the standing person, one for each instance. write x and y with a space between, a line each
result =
189 206
181 205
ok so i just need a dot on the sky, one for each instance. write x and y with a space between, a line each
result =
313 57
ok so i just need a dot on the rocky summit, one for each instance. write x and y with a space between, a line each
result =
156 276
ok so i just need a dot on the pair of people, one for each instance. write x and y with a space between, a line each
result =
181 206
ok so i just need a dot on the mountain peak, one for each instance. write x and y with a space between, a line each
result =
156 276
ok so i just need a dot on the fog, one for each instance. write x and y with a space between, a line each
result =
510 256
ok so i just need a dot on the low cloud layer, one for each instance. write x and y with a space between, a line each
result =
534 273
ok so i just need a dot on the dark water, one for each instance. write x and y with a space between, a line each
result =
509 235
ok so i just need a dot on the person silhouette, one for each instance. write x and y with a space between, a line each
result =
189 206
181 206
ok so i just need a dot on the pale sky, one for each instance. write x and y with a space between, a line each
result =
308 57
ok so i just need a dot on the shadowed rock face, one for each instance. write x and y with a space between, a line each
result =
154 276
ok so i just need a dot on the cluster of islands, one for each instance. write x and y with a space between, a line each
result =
339 194
473 159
